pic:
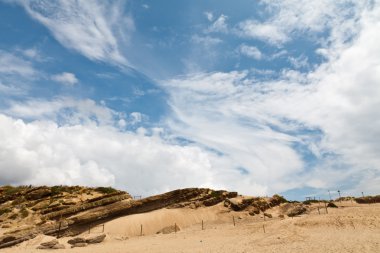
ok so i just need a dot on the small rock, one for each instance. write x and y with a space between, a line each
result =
331 204
76 240
121 238
281 216
42 247
49 244
169 229
296 210
79 244
268 215
58 246
96 239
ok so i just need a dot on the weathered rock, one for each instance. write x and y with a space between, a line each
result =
49 244
332 205
296 210
268 215
42 247
169 229
58 246
281 216
96 239
76 240
79 244
253 211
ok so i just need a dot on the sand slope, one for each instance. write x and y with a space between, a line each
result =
352 228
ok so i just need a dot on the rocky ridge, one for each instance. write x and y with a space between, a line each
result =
68 211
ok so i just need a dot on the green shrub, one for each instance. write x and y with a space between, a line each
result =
4 210
105 190
24 213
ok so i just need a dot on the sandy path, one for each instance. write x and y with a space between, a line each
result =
348 229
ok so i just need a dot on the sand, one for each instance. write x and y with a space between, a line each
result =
350 228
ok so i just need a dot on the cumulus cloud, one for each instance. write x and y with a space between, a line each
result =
250 51
96 29
65 78
41 152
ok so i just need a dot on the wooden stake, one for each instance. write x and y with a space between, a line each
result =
202 224
103 228
326 208
264 228
233 220
59 228
141 230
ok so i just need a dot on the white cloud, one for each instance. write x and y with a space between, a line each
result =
95 29
331 112
13 65
64 110
40 152
250 51
299 62
209 15
219 25
206 41
290 18
65 78
263 31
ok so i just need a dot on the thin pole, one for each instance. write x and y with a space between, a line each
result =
264 228
340 198
202 224
59 228
103 228
141 230
233 220
326 208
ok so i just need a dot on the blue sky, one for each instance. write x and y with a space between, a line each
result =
261 97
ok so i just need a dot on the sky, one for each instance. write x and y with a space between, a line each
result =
259 97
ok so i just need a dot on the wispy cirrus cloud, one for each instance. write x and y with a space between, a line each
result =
95 29
316 129
290 18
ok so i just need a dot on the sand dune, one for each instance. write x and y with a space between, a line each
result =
350 228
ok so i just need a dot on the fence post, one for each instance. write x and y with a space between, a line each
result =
264 228
202 224
141 230
59 228
233 220
326 208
